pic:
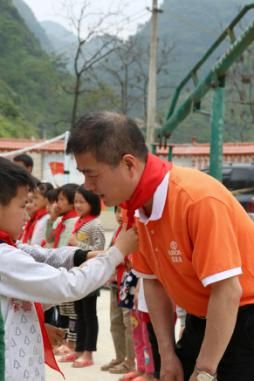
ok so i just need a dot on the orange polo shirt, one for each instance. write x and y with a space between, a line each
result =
197 234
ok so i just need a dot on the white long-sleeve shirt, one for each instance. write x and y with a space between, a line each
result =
24 279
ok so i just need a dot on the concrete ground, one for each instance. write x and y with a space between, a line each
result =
103 355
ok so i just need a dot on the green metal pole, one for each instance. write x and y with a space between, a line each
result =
217 131
154 149
170 152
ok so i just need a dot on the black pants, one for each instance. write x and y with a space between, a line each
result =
87 324
51 316
155 350
237 363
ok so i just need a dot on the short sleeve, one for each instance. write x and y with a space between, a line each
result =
216 254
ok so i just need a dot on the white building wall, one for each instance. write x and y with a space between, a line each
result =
60 179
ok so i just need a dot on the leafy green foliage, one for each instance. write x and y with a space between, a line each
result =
31 82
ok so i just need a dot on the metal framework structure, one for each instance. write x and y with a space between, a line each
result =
214 80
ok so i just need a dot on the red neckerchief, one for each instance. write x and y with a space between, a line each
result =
30 225
61 226
48 353
82 221
5 237
153 174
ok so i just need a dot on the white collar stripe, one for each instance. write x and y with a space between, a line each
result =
159 200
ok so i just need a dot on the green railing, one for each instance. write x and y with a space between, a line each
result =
215 80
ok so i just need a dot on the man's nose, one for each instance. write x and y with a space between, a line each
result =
89 184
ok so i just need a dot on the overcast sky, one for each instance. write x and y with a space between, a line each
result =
133 12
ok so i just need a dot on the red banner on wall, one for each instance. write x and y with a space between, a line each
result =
56 167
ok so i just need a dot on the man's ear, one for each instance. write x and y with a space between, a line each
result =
130 161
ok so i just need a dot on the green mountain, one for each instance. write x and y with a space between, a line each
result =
192 26
32 23
62 40
31 95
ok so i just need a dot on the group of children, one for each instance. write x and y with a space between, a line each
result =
45 274
68 216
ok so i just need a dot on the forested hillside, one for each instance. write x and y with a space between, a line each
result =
31 95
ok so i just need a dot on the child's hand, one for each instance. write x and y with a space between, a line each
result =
127 240
93 254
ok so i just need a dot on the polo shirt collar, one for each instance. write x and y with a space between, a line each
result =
159 199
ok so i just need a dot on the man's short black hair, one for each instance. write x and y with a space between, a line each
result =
25 159
108 136
92 198
68 190
12 176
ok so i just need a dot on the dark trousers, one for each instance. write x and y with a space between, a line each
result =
237 362
87 324
155 350
51 316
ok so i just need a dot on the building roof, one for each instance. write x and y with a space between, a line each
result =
194 149
7 145
197 149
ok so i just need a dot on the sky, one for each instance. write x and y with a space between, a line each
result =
129 13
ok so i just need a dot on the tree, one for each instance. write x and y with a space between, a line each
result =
93 46
127 69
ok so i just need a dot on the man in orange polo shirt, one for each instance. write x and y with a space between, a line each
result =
196 249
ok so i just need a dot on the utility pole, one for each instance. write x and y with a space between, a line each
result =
152 93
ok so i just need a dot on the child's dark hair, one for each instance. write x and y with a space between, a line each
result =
25 159
44 188
68 190
92 198
52 195
12 176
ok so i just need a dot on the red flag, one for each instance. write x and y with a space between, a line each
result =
56 167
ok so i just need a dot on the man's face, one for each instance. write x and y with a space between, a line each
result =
14 216
113 184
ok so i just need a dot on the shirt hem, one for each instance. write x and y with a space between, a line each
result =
221 276
144 276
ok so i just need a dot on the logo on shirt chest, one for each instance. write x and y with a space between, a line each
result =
174 253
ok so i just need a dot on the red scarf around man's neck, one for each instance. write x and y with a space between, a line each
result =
30 225
48 353
61 226
153 174
82 221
